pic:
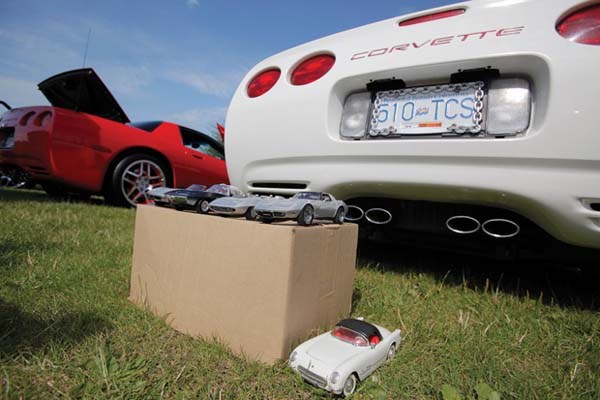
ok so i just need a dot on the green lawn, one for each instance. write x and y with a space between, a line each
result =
68 330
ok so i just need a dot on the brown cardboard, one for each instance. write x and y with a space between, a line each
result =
259 288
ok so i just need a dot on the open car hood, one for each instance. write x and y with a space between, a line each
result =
82 90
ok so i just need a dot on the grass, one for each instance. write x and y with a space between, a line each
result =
67 329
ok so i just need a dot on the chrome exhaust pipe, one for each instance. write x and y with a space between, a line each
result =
354 214
378 216
462 224
501 228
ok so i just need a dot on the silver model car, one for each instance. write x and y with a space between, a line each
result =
159 195
236 206
304 207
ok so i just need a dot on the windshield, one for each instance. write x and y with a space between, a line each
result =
307 196
196 187
348 335
220 188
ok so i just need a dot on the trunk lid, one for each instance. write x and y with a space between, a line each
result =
82 90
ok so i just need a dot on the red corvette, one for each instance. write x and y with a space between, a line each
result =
85 143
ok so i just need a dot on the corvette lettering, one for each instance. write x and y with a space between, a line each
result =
463 37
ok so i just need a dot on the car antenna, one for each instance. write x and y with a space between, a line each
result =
87 44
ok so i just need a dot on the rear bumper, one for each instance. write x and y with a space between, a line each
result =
555 194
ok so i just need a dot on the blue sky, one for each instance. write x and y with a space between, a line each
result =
177 60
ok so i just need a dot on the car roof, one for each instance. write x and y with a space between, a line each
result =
360 326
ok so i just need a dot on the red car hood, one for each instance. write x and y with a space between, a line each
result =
82 90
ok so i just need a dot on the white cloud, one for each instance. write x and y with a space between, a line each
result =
126 79
220 86
192 3
202 119
20 92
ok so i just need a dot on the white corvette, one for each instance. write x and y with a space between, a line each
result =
337 360
477 119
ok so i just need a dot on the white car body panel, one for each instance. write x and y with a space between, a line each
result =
549 174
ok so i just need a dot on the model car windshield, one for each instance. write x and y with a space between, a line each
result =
307 196
348 335
220 188
196 187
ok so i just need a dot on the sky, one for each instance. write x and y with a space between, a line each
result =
174 60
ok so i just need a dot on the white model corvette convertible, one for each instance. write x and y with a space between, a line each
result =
337 360
477 119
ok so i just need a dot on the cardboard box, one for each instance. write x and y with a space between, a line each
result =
259 288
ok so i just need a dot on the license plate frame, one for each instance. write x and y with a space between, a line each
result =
448 109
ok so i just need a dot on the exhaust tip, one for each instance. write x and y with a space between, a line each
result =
378 216
354 214
462 224
501 228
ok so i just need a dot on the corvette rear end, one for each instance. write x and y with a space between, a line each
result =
484 109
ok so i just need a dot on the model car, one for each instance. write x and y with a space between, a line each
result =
304 207
236 206
484 109
184 199
84 143
337 360
159 197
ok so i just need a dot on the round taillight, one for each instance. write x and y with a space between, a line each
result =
312 69
582 26
263 82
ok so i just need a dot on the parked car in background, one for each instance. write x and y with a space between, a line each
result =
473 120
338 360
85 143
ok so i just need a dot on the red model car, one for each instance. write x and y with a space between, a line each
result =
85 143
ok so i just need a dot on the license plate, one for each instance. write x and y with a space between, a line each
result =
428 110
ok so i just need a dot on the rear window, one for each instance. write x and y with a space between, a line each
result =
201 143
147 126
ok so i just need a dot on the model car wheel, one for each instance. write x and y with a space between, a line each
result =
134 175
202 207
251 214
349 385
391 352
306 216
339 216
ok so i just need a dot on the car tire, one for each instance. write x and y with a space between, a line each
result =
133 175
306 216
391 352
202 207
350 385
251 214
339 216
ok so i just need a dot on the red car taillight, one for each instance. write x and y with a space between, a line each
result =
263 82
312 69
432 17
581 26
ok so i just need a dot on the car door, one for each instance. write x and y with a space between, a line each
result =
327 206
